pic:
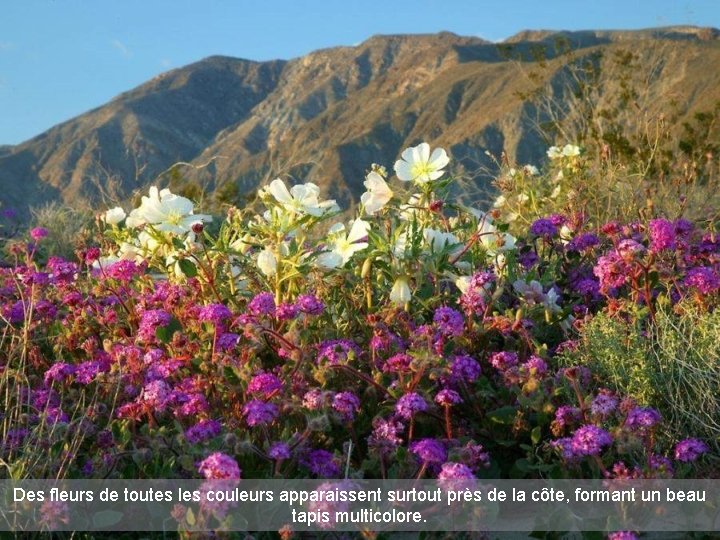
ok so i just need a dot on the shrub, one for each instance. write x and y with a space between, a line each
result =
673 364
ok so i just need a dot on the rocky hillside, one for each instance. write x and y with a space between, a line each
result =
324 117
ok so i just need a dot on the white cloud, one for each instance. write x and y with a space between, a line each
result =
120 46
6 46
165 62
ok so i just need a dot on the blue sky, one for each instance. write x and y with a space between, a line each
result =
59 58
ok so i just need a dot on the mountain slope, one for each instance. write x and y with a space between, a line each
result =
326 116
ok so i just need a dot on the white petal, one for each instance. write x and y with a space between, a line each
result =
358 231
423 150
403 171
439 158
278 189
329 259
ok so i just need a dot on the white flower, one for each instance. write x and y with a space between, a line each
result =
400 246
378 193
555 192
104 262
493 240
300 199
438 240
408 211
241 245
551 301
166 211
533 294
532 170
419 165
566 234
463 283
570 150
400 293
130 252
554 152
500 201
344 247
114 216
267 263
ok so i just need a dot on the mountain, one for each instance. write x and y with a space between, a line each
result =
326 116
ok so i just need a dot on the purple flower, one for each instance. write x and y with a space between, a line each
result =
566 416
227 341
429 450
603 404
258 412
544 227
287 312
535 365
310 304
689 450
123 270
465 368
38 233
321 463
86 372
662 235
337 351
477 295
191 404
703 278
583 242
448 397
611 270
214 313
219 466
661 466
156 394
474 456
629 249
265 385
279 450
314 399
642 418
153 318
202 431
410 404
58 372
386 435
347 404
449 321
456 476
398 363
589 440
528 259
503 360
262 304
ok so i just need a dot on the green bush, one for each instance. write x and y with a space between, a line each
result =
673 364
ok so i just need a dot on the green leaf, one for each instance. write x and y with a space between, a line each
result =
503 415
165 333
536 434
230 375
188 267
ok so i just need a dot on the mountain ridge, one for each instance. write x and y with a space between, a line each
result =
323 116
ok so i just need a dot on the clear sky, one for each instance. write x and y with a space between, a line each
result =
59 58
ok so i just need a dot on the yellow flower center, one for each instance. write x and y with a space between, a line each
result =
421 169
174 218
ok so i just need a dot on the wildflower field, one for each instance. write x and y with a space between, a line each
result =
420 339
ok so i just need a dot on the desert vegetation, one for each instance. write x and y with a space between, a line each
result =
567 329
